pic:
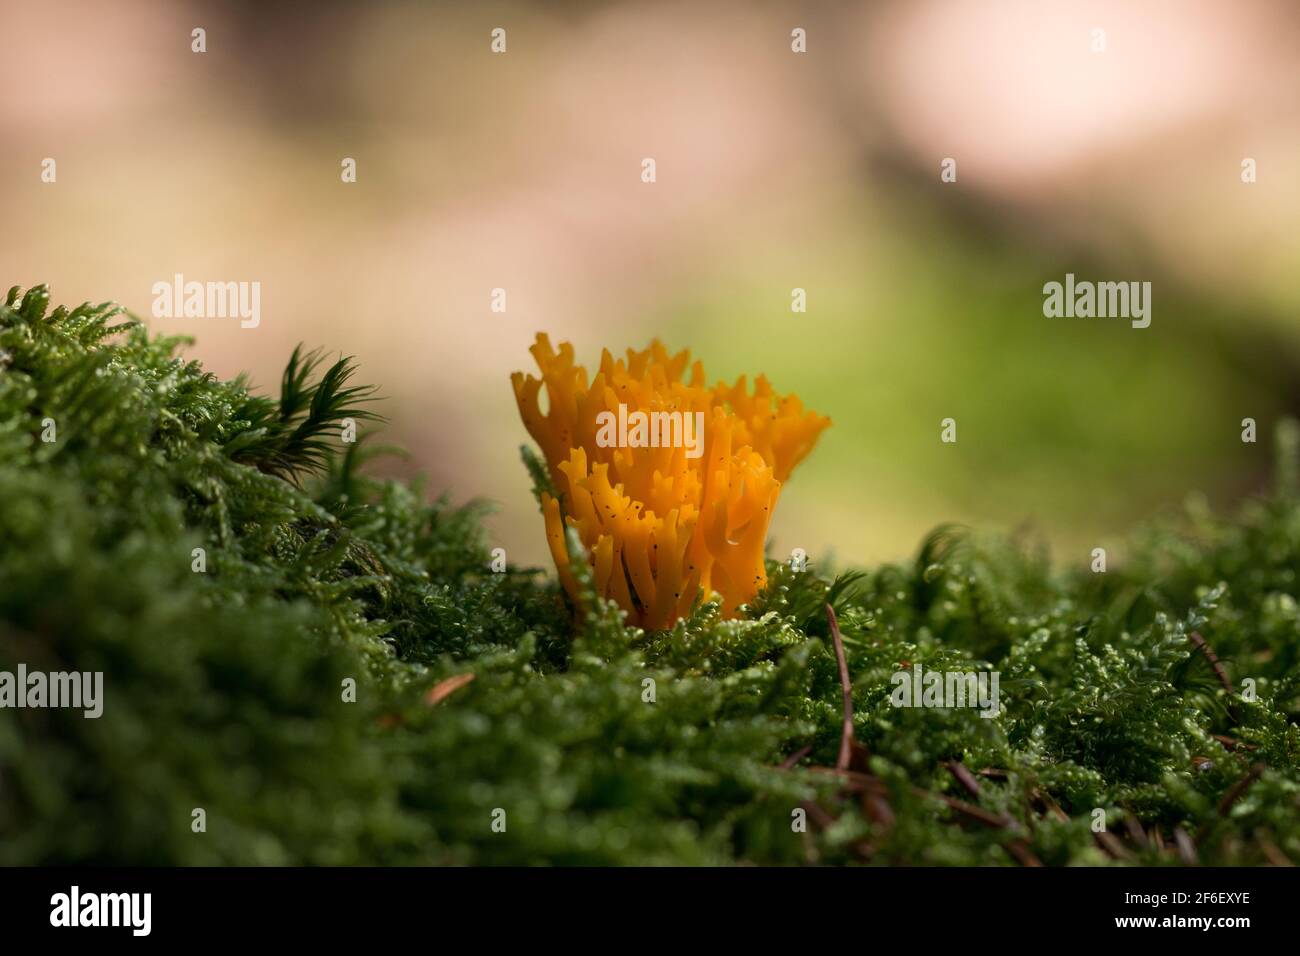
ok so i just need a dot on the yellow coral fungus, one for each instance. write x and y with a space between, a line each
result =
660 514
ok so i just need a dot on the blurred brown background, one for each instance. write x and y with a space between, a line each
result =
775 170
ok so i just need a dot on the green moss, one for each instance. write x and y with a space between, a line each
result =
224 689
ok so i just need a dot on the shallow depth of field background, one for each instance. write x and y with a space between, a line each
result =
775 170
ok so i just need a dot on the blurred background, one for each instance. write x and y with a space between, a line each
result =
775 170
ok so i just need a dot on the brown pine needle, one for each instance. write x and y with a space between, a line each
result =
445 688
878 809
1186 848
794 758
963 777
818 814
1273 854
1237 789
1219 671
846 735
978 814
1112 845
854 780
1020 850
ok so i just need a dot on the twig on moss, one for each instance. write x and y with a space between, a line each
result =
1112 846
1203 646
846 734
878 809
969 810
854 781
1050 805
1020 850
1237 789
1273 854
794 758
963 777
818 814
1015 845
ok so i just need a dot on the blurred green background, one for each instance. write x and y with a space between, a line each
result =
776 170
